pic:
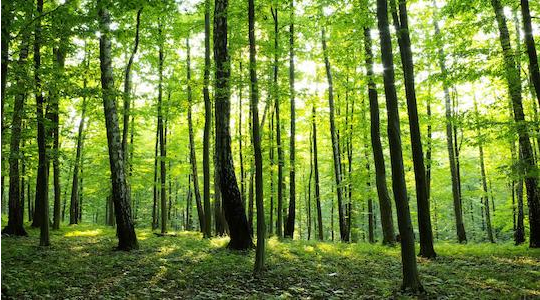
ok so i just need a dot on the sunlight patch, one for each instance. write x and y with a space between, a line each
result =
86 233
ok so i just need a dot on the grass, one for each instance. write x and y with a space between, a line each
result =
81 263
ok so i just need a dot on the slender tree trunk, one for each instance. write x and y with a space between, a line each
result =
240 138
289 227
343 230
42 186
458 211
127 91
485 196
527 159
272 164
424 219
155 216
531 49
309 187
16 213
207 123
232 200
74 203
385 204
127 239
256 141
411 280
162 145
192 154
316 169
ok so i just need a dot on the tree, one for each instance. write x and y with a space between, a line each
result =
232 201
289 226
526 157
207 123
74 203
411 280
16 213
127 240
261 226
161 129
343 230
531 48
454 167
424 219
385 204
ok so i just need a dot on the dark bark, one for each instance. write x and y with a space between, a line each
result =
162 145
240 138
207 123
256 141
232 201
16 213
424 218
272 164
127 240
458 211
531 48
411 280
343 230
527 159
289 226
385 204
155 217
316 170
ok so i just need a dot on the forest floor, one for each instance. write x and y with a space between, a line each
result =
81 264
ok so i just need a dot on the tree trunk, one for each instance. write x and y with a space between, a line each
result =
127 91
531 49
289 227
343 230
155 216
458 211
74 204
232 201
256 141
127 239
16 213
240 138
272 164
411 280
207 123
424 219
162 145
527 159
316 169
385 204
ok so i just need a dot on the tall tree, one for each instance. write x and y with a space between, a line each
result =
232 201
401 24
456 189
41 218
289 227
127 240
411 280
162 145
192 154
531 48
316 170
485 198
16 213
385 204
207 123
261 226
74 203
343 230
127 91
527 158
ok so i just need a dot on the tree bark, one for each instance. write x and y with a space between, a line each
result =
424 218
411 280
74 203
527 159
343 230
385 204
316 170
232 201
16 213
289 227
207 123
127 240
162 145
531 48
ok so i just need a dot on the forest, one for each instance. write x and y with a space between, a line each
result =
289 149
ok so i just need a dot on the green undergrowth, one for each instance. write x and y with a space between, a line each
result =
81 263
